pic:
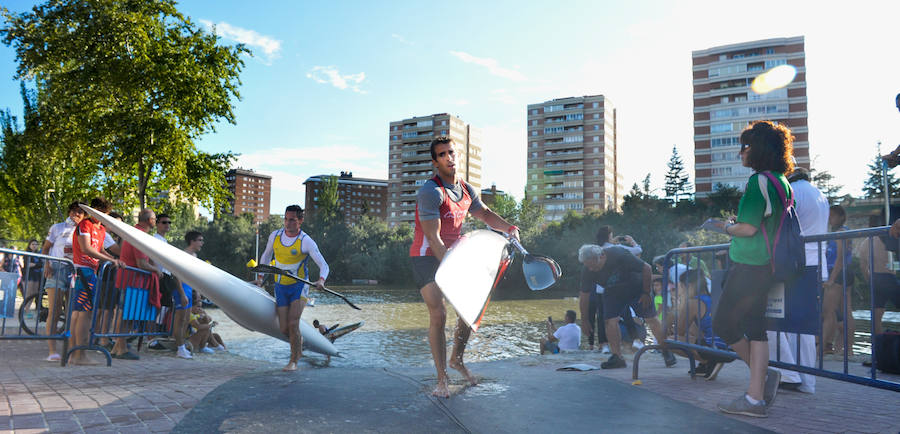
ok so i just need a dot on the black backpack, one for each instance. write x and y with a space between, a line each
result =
787 251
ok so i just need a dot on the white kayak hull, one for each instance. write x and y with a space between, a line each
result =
469 271
243 302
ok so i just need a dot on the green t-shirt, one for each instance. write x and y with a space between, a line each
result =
752 250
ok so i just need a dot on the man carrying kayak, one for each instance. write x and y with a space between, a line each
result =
291 249
441 208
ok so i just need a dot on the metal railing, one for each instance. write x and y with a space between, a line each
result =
123 308
794 320
55 273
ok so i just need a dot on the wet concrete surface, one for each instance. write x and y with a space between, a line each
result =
513 396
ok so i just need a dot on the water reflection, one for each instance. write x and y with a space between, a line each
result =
396 329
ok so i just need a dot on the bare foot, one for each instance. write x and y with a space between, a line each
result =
458 365
441 390
292 366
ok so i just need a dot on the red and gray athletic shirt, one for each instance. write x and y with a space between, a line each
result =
450 205
96 234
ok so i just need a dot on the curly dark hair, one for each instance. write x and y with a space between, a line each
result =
771 147
439 140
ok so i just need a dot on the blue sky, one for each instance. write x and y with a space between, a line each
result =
326 78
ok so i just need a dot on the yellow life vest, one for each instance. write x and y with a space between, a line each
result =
289 258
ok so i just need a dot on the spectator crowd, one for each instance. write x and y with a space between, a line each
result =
173 310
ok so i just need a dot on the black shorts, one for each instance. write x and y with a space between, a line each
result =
887 288
167 287
617 300
742 307
424 268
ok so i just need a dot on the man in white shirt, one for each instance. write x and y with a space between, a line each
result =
289 249
565 338
173 293
59 244
812 212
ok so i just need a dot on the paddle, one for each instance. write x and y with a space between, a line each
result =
269 269
540 271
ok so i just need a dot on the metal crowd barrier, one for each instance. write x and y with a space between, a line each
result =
793 316
122 308
61 277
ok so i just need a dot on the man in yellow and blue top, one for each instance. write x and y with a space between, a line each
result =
289 249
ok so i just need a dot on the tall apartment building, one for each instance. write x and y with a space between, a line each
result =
724 104
572 156
409 159
252 193
356 196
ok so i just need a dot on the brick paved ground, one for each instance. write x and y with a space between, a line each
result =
149 395
153 394
836 407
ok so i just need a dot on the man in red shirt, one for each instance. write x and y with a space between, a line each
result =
441 208
87 251
133 257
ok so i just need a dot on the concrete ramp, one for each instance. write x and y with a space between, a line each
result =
512 397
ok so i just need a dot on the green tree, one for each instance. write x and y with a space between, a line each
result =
38 175
724 200
825 182
137 83
874 184
676 178
646 185
327 208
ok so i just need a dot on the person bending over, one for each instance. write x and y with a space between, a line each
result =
624 281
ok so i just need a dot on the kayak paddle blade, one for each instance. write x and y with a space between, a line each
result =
540 272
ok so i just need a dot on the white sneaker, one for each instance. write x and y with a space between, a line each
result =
207 350
637 345
184 353
605 349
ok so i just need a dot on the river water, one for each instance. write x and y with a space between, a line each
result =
395 332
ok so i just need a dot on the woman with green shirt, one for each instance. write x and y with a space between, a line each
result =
740 318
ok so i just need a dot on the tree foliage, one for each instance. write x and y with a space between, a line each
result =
676 177
39 176
824 181
130 85
874 184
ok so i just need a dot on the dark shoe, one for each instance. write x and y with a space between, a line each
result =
773 378
127 356
669 358
615 361
789 386
702 369
744 407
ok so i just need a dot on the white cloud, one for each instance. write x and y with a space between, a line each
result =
331 75
491 64
269 46
401 39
